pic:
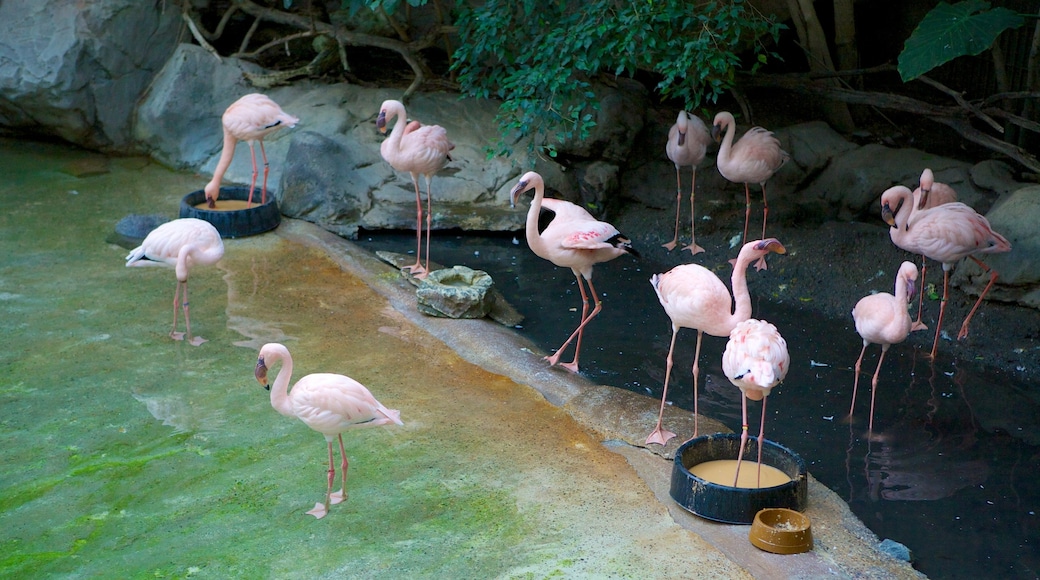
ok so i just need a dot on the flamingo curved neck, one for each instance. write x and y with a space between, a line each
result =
725 149
741 294
280 389
226 155
393 141
531 228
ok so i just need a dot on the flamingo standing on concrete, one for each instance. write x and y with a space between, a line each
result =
573 239
755 361
694 297
882 319
419 150
752 159
180 244
929 194
248 119
328 403
688 140
945 233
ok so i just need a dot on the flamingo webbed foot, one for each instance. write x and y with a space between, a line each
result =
659 436
670 245
416 270
693 248
319 511
338 497
918 325
761 264
177 335
197 341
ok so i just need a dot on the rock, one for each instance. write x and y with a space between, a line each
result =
75 70
132 229
896 550
457 292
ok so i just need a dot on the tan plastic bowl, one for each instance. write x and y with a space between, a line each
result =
781 531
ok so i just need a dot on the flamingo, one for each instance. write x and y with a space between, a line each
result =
180 244
882 319
327 403
694 297
928 195
755 361
573 239
248 119
688 140
944 233
419 150
752 159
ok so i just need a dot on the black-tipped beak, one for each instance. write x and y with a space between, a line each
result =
682 138
381 122
515 194
261 374
888 215
716 133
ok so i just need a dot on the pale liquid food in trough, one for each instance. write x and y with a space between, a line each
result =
721 472
227 205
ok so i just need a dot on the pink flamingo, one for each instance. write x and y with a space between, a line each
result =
688 140
180 244
928 195
882 319
573 239
327 403
755 361
248 119
694 297
419 150
752 159
944 233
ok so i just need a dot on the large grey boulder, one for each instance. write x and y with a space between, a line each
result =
75 70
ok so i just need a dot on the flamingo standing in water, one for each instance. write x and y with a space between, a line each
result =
248 119
573 239
944 233
328 403
180 244
755 361
694 297
882 319
419 150
929 194
688 140
752 159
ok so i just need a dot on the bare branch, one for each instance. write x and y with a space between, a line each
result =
198 35
960 101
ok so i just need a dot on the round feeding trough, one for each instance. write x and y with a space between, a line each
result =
737 505
232 217
781 531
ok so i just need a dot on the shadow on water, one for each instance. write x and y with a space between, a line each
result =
950 470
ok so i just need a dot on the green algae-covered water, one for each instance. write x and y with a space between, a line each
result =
127 455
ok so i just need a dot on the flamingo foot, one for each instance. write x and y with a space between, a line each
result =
177 335
338 497
571 367
659 436
918 325
319 511
761 264
670 245
416 270
197 341
693 248
554 359
963 332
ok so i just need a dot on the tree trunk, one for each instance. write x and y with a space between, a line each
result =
845 35
814 43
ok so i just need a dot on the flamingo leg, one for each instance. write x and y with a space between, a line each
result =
747 213
341 495
416 269
678 203
743 437
761 440
586 317
693 247
267 169
873 387
176 306
659 435
992 278
429 224
252 183
918 325
855 382
320 509
197 340
761 263
696 371
942 312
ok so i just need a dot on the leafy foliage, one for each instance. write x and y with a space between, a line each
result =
541 57
949 31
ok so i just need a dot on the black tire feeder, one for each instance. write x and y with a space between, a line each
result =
235 223
736 505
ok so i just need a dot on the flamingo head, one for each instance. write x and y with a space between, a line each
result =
381 121
261 373
769 245
892 196
720 124
528 181
927 181
212 191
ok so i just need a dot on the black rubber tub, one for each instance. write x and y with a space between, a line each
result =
234 223
736 505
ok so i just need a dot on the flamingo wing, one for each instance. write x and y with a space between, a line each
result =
953 231
331 403
756 358
694 297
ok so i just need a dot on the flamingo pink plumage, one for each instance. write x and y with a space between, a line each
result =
883 319
419 150
688 140
573 239
755 361
929 194
752 159
327 403
694 297
944 233
248 119
180 244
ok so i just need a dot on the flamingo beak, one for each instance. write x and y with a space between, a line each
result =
772 245
210 202
888 215
381 122
682 138
261 374
515 194
911 289
716 133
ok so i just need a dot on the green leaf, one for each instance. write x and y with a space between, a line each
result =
949 31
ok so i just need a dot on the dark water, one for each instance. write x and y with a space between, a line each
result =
951 470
